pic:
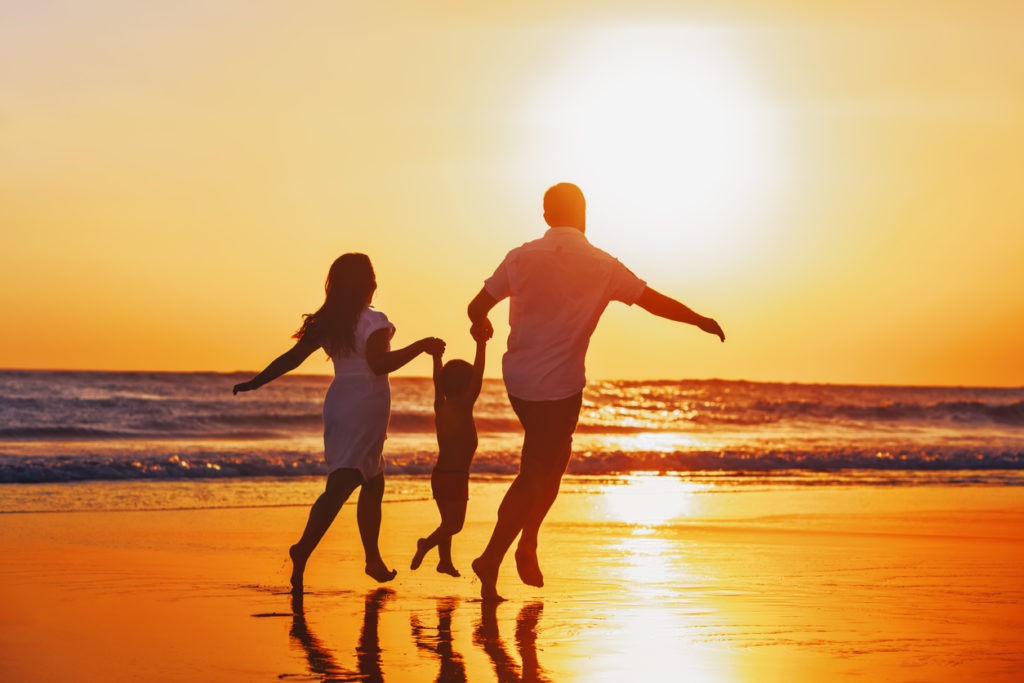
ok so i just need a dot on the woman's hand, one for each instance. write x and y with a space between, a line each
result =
243 386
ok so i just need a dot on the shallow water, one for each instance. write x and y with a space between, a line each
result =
80 426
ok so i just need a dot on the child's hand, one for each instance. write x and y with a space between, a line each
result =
482 330
434 346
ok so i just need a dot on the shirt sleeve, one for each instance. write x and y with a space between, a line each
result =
625 286
498 285
377 321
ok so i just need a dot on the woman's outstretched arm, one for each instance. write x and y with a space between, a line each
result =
383 361
286 362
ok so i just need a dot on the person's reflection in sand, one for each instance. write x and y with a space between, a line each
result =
453 670
488 638
322 661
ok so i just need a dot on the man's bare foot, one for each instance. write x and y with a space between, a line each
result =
447 568
528 568
298 568
380 572
488 576
422 547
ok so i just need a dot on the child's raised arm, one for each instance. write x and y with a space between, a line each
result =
438 393
481 333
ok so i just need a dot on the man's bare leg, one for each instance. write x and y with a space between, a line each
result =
552 465
511 514
527 564
368 515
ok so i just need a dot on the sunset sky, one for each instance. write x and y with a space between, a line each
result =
841 185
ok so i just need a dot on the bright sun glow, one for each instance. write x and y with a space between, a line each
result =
667 134
650 500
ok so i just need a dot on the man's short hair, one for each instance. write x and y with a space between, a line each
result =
564 204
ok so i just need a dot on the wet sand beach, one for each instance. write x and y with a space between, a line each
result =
647 578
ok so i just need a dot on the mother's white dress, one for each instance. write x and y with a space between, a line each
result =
358 404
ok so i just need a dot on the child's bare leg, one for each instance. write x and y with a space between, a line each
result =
340 485
444 551
368 516
453 516
423 547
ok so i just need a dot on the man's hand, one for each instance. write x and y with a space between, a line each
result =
482 330
711 326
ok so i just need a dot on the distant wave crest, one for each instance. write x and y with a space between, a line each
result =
295 464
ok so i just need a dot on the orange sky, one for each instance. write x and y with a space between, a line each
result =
839 186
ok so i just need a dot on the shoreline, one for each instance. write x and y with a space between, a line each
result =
643 579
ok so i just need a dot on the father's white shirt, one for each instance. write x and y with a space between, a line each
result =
559 286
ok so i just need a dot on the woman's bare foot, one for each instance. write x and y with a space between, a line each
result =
528 568
380 572
488 576
422 547
298 567
447 568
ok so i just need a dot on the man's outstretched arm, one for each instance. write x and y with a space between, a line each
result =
663 306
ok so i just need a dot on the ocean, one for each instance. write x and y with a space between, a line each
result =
140 440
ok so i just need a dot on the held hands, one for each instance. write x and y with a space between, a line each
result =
711 326
433 346
482 330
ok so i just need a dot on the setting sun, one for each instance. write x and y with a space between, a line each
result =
668 132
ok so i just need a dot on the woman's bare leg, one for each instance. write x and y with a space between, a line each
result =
340 485
368 515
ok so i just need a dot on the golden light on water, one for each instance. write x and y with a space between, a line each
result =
663 442
646 500
662 634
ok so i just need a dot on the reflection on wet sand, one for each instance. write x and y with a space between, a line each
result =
324 665
452 669
321 660
488 638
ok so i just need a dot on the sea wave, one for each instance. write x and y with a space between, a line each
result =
963 412
21 470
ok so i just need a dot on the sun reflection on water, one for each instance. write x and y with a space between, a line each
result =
645 500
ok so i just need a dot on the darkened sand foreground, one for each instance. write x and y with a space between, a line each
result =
787 584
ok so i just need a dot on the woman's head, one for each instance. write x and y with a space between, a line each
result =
350 280
348 290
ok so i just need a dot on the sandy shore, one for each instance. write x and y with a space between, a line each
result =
814 583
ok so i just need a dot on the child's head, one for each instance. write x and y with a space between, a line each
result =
455 377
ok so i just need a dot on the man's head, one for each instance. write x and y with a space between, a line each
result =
564 206
455 377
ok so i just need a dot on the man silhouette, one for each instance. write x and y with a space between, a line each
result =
558 286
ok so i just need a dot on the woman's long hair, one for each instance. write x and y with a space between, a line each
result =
350 282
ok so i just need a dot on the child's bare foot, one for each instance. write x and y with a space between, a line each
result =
422 547
528 568
488 576
298 567
447 568
380 572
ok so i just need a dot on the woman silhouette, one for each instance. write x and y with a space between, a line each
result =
357 406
